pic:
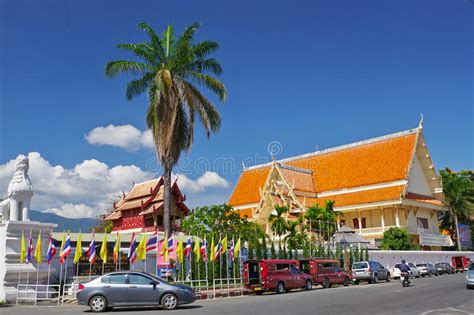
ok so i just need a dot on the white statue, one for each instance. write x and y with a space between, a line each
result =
20 191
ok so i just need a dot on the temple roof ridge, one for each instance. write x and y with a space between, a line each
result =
338 148
295 168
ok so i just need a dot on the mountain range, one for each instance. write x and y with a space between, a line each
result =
74 225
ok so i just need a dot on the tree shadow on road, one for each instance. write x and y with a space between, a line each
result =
147 309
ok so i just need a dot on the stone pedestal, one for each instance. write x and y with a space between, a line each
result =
10 266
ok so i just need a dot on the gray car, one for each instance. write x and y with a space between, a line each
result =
132 288
470 277
370 271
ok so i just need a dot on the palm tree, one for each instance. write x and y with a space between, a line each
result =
294 239
278 222
323 219
458 191
169 70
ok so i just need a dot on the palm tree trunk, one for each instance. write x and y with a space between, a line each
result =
167 199
456 221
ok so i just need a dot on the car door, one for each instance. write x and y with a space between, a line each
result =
115 288
383 271
142 290
296 277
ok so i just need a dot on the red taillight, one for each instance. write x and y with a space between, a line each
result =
81 287
369 270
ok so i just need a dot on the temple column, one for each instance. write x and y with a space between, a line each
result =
338 220
382 220
359 218
397 217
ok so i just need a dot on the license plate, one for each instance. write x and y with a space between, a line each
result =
257 289
359 272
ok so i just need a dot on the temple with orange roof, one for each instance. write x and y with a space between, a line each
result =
376 184
141 210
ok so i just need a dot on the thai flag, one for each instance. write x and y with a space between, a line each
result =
51 249
66 249
170 244
204 250
132 253
91 251
152 243
188 249
218 250
231 251
29 255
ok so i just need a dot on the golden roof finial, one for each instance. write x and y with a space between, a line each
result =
420 124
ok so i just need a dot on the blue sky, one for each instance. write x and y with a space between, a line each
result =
308 74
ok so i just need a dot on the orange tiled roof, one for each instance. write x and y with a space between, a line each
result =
367 163
367 196
302 180
423 198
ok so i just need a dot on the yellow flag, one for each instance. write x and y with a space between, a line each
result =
103 249
117 244
237 249
63 240
38 249
78 253
224 245
164 248
213 250
23 248
180 251
141 249
197 250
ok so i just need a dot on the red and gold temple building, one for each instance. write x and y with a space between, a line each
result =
141 210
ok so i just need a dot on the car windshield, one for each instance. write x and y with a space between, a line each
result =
359 265
154 277
421 265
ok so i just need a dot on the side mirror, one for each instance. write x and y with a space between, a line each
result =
154 283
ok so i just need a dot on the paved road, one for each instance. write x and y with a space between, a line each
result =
445 294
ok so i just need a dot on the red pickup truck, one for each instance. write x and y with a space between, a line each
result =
325 272
277 275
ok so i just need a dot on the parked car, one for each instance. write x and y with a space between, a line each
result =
132 288
470 277
444 268
275 275
461 263
414 270
427 270
370 271
325 272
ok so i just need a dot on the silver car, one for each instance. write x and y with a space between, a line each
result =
370 271
132 288
470 277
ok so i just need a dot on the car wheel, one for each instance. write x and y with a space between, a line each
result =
388 278
169 301
98 304
326 283
429 274
376 279
258 292
280 287
308 285
437 274
346 282
357 282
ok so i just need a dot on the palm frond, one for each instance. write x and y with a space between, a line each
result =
115 67
211 83
139 86
207 65
155 40
205 48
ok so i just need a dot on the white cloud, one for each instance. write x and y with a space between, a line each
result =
123 136
90 187
73 211
207 180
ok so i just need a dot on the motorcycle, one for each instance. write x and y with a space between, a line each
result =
405 279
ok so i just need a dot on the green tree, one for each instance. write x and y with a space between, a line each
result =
396 239
458 189
278 222
322 219
170 71
273 254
